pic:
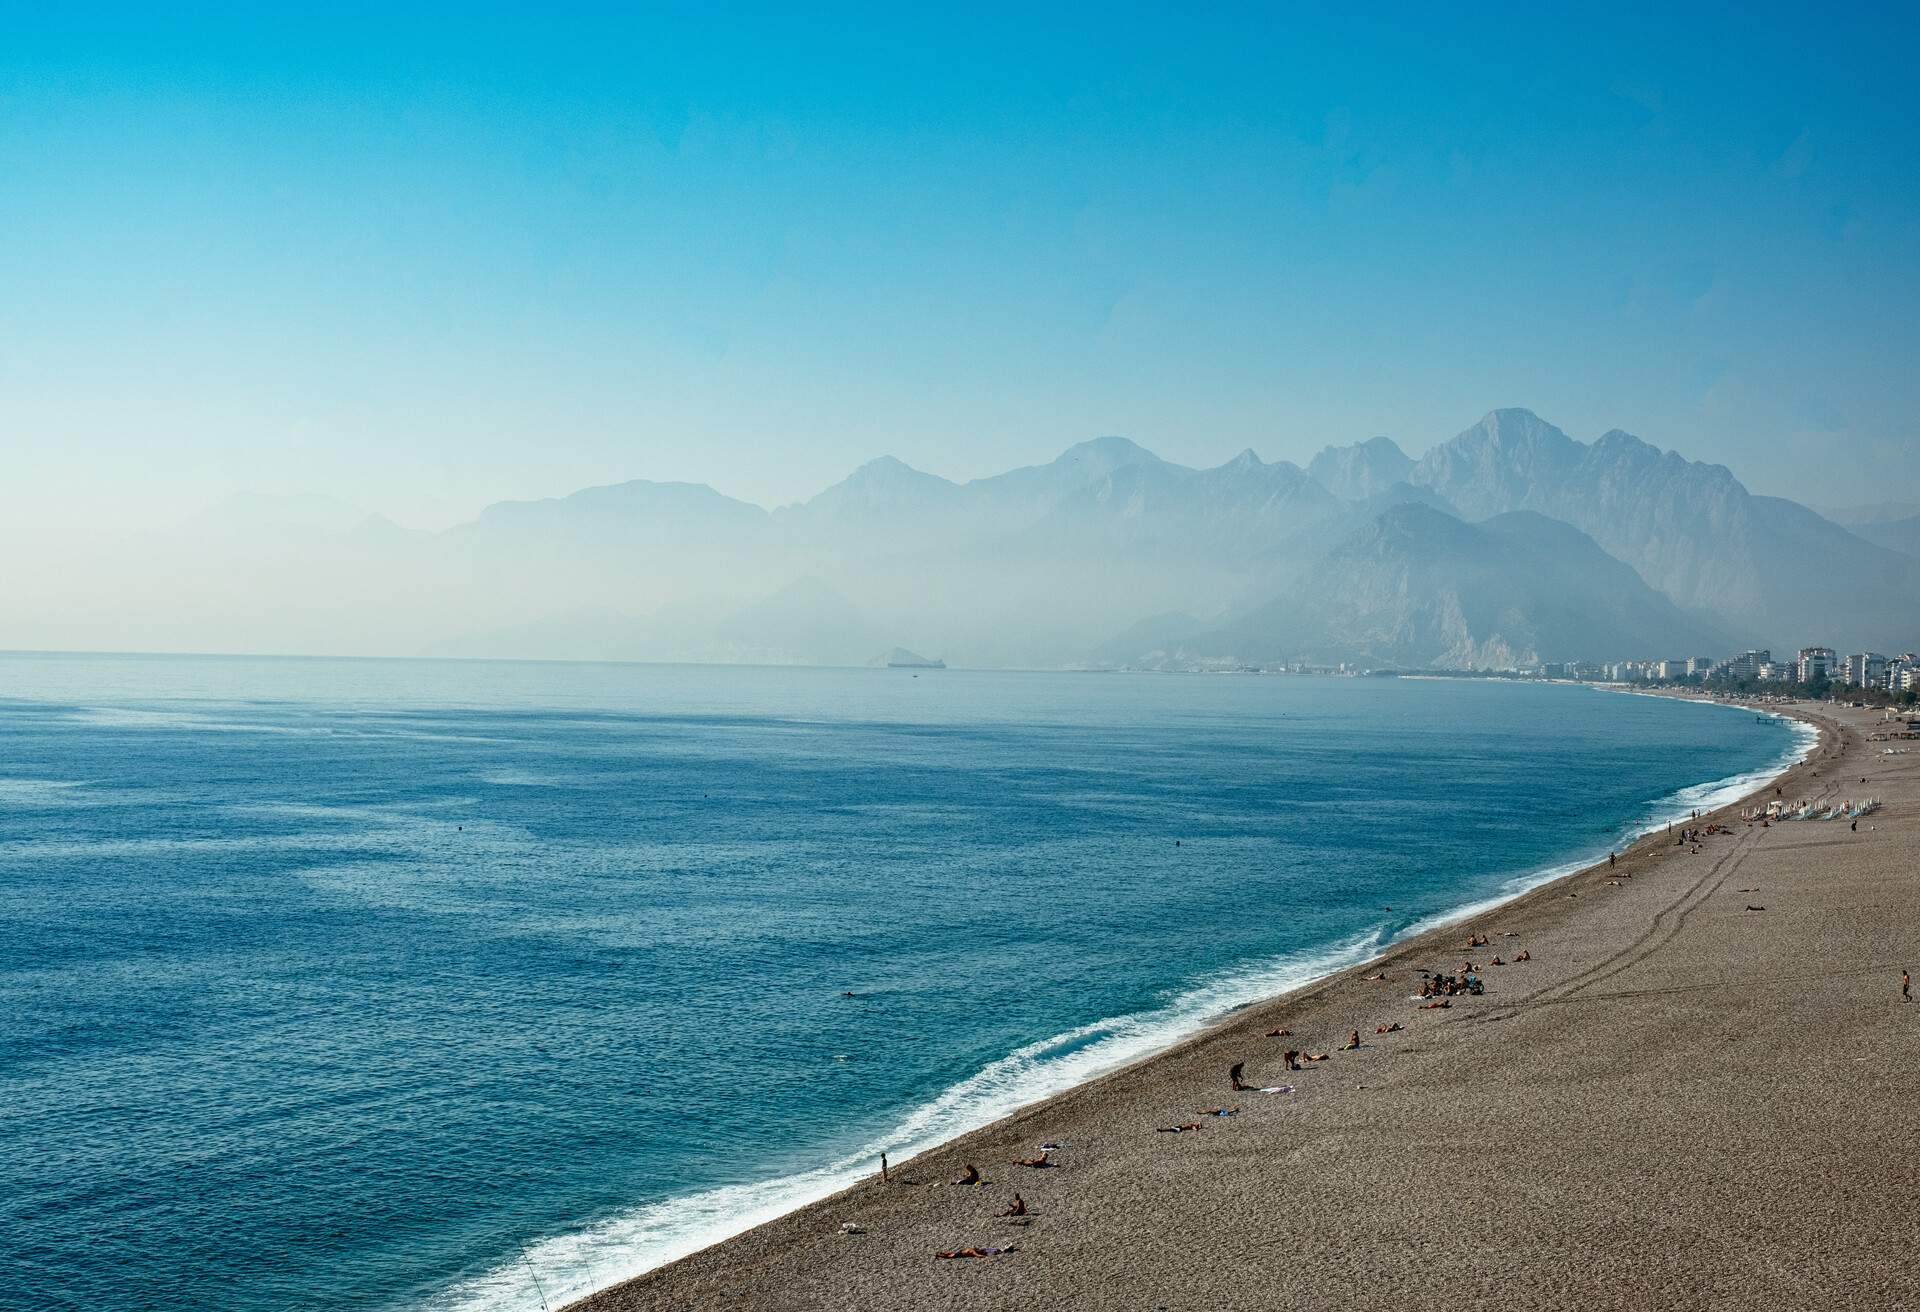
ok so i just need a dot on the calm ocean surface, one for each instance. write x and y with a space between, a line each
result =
379 985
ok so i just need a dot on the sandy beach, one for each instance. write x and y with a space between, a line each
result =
1697 1093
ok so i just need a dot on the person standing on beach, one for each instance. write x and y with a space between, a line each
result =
1906 986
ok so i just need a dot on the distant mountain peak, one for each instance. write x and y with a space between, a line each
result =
889 467
1517 424
1110 452
1690 529
884 487
1361 471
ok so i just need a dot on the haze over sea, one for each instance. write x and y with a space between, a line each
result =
385 984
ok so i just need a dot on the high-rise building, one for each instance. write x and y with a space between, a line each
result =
1816 663
1866 669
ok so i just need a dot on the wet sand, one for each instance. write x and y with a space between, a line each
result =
1677 1103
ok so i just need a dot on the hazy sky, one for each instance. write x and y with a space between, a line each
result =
423 260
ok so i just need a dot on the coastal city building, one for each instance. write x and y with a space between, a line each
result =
1746 665
1815 663
1867 669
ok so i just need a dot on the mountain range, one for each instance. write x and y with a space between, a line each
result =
1512 542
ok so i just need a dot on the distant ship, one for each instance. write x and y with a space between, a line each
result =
902 659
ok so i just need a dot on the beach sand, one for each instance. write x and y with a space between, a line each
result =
1677 1103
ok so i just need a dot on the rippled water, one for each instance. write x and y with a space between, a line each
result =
371 985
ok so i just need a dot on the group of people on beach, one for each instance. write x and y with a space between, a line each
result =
1465 981
1688 837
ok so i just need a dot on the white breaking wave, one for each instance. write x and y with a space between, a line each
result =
573 1265
570 1266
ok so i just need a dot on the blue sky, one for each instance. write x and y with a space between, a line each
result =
430 257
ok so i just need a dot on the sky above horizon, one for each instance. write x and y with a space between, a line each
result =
429 257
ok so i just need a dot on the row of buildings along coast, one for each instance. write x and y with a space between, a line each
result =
1813 665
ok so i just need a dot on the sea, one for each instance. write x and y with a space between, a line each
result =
475 986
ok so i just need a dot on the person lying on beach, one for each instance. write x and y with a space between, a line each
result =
1177 1129
1279 1034
972 1176
1353 1041
1234 1081
1439 1002
1752 907
1036 1162
1221 1111
977 1252
1315 1056
1017 1208
1365 979
1387 1029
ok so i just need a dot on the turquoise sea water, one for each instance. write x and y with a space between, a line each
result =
374 985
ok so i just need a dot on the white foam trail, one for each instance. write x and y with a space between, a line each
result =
571 1266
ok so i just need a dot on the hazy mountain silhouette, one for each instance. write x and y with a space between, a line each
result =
1767 569
1363 470
1420 588
1105 553
1902 535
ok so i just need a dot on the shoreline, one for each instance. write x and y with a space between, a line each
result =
655 1286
